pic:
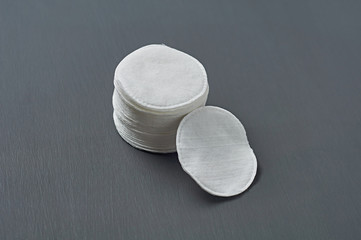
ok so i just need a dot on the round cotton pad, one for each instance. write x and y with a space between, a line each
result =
159 78
213 149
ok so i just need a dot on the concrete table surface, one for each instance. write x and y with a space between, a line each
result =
289 70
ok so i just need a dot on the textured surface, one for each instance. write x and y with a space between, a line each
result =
289 70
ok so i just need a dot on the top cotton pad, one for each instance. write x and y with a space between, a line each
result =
160 78
213 149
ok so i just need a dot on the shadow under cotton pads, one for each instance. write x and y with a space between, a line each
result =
213 149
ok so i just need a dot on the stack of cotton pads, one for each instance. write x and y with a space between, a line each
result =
158 102
155 87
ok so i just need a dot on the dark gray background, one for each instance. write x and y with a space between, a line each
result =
289 70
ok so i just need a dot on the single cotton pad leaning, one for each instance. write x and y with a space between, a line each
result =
213 149
155 87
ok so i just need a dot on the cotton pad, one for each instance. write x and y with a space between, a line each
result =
213 149
155 87
160 78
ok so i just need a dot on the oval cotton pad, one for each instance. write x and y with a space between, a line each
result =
213 149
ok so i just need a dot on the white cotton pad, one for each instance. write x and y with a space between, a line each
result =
213 149
155 87
159 78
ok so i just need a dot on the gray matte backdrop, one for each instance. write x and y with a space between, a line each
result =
289 70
